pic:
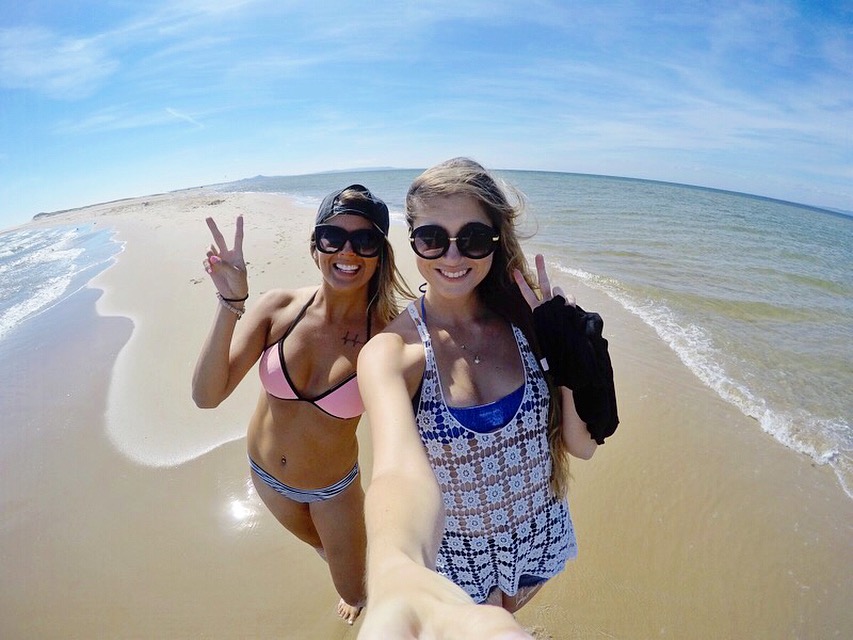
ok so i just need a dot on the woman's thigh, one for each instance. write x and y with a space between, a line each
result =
340 524
294 516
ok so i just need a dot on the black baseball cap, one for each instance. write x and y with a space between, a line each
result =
372 208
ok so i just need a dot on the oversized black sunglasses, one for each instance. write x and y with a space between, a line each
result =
366 243
475 240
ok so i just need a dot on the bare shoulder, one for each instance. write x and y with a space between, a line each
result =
282 298
394 339
395 351
403 325
289 302
276 309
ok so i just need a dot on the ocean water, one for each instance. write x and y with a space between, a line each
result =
754 295
40 267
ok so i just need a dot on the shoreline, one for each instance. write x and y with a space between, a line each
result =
738 533
134 517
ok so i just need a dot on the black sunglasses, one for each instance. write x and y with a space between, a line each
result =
475 240
366 243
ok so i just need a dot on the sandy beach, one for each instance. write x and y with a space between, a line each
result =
128 512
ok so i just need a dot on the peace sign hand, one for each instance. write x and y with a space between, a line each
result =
544 286
226 267
575 352
559 333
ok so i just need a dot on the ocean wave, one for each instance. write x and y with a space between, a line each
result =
826 441
45 267
49 292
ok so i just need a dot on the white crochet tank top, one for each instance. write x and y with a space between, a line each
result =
502 521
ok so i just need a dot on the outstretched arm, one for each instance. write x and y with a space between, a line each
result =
221 365
404 514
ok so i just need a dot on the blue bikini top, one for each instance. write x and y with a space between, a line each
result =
484 418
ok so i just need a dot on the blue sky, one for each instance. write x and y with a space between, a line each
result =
119 98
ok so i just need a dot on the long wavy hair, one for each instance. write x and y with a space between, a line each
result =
387 286
504 205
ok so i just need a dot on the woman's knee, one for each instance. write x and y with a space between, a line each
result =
346 554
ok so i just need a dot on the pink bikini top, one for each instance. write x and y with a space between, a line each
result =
341 401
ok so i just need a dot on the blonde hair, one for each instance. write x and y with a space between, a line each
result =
504 205
387 287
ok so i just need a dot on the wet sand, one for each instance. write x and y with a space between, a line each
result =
128 512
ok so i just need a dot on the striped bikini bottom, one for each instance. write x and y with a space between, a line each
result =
304 495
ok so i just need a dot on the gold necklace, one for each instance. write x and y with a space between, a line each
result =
464 347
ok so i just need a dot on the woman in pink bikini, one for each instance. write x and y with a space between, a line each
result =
302 445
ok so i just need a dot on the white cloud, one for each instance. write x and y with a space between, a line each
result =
38 59
288 86
117 119
184 117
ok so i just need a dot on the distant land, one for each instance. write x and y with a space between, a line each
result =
260 177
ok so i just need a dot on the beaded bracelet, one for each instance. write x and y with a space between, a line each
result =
225 303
